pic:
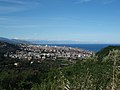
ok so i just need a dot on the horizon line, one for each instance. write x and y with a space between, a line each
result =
65 41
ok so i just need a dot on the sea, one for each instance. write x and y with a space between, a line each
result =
90 47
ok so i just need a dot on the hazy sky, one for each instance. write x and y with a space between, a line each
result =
96 21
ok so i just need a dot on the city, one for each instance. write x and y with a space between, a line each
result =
37 52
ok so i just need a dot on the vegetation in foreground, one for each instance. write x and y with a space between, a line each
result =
87 74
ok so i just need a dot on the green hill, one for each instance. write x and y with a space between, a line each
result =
7 47
105 51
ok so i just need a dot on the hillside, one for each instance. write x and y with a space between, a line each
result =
105 51
86 74
14 41
6 47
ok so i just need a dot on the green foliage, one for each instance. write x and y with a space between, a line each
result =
86 74
114 58
105 51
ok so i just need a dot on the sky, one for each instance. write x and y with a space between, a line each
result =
89 21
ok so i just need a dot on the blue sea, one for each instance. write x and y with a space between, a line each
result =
90 47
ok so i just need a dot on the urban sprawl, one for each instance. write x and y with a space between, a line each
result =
36 52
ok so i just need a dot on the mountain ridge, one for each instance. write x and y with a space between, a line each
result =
14 41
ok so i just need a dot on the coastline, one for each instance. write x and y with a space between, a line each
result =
90 47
